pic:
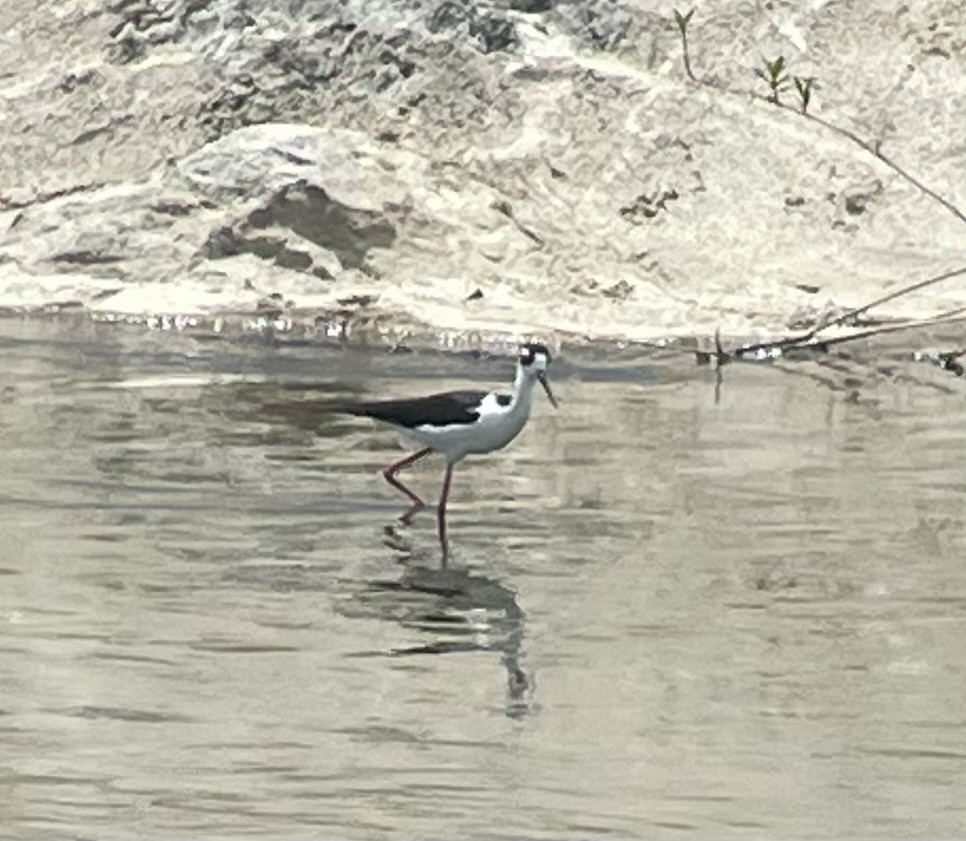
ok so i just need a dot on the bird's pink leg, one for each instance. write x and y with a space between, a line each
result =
389 473
441 511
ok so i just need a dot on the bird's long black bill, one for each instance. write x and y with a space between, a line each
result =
546 388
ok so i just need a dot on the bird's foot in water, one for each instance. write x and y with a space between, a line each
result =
395 539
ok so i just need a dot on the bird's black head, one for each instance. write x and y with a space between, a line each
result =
532 353
534 359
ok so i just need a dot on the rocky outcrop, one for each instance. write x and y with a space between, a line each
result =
476 168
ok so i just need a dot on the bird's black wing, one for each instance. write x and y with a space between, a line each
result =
448 407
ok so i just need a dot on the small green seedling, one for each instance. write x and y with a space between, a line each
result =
775 77
682 21
804 87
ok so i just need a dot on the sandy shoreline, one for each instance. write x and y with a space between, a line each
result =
532 172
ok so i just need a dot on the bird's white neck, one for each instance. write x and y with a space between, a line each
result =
522 391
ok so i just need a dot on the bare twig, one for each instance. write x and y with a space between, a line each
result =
806 339
948 317
922 284
876 151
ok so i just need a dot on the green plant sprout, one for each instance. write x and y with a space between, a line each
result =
682 21
775 77
804 87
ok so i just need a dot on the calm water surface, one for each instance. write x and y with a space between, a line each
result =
664 616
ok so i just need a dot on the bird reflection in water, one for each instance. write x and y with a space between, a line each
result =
458 611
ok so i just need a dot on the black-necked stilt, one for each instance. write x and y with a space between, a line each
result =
456 424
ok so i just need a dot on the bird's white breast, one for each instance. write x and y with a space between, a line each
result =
496 427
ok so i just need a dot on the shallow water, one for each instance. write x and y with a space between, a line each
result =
666 614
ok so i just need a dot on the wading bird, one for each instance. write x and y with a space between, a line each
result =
456 424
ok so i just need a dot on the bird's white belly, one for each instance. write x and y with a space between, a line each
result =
489 433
